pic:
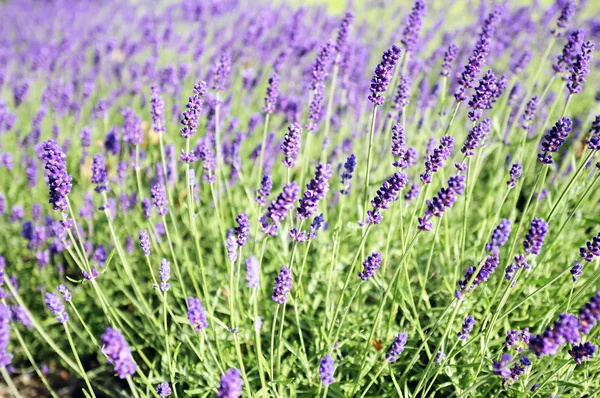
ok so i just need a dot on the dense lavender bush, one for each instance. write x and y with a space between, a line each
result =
272 199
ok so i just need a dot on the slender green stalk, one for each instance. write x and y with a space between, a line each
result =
368 168
9 382
76 355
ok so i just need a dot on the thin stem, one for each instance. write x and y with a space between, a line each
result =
76 355
368 169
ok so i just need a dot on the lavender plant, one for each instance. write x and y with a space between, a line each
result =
246 199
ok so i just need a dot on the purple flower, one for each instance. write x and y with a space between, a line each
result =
564 330
589 314
449 57
272 93
476 137
440 356
317 223
196 314
316 190
326 370
144 242
370 265
349 167
321 66
594 140
529 112
554 139
402 97
243 229
19 315
396 348
580 68
437 159
99 173
410 36
252 272
501 368
499 236
386 194
291 145
64 291
157 111
383 75
283 285
264 191
56 306
565 61
512 338
279 208
231 246
484 95
118 352
132 127
489 266
444 200
189 118
222 72
342 37
521 62
515 173
164 274
231 384
582 352
467 327
59 180
591 249
5 356
163 389
412 193
565 16
399 145
576 271
535 237
159 199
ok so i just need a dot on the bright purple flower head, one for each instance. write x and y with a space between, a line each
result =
349 167
231 384
163 389
164 274
515 173
283 285
99 173
554 139
371 264
449 57
580 68
591 249
190 117
272 93
594 140
444 200
59 180
582 352
5 316
342 37
565 16
326 370
467 327
144 242
157 110
118 352
264 191
64 291
196 314
437 159
565 61
56 306
564 330
396 348
535 237
159 199
402 97
221 72
316 190
291 145
410 36
279 208
243 229
386 194
500 367
499 236
383 75
476 137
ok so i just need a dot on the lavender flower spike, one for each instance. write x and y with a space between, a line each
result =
283 285
56 306
118 352
581 68
371 264
444 200
196 314
5 356
243 229
535 237
396 348
515 173
316 190
554 139
326 370
383 75
467 327
157 111
386 194
59 180
349 167
272 94
410 36
266 184
99 173
291 145
231 384
279 208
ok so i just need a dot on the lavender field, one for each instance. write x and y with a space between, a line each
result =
244 198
